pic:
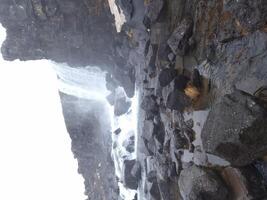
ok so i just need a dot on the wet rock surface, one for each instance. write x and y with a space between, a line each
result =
196 65
236 129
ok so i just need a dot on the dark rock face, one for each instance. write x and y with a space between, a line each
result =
166 76
78 32
129 180
236 129
91 145
199 184
177 101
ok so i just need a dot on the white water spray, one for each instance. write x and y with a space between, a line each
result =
89 83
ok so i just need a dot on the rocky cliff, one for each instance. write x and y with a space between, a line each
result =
88 124
200 68
80 33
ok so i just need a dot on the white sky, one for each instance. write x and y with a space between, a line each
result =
36 162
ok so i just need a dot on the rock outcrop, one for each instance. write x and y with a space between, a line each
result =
236 129
199 184
188 59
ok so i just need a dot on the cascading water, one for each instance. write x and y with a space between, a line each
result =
89 83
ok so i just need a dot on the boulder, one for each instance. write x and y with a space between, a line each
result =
121 106
129 181
178 42
177 100
117 131
236 128
166 76
196 183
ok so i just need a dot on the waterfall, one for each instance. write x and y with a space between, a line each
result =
90 83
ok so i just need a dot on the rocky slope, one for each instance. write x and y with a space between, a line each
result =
199 66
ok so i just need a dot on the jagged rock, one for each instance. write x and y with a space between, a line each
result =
178 42
200 184
166 76
129 144
130 181
177 101
121 106
152 12
236 129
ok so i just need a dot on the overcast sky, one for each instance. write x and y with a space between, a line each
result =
36 162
